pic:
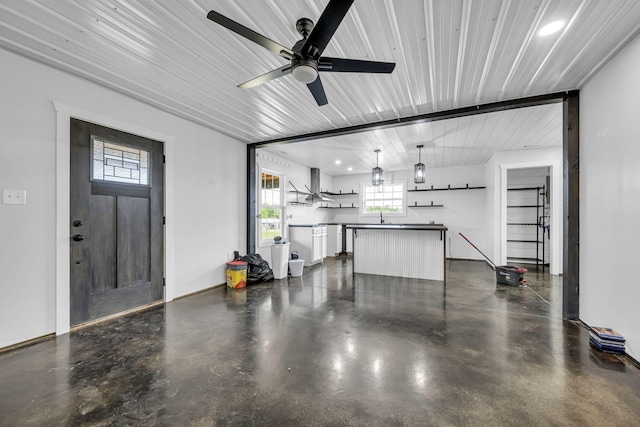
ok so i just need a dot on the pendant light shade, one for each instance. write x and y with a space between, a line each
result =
419 170
376 173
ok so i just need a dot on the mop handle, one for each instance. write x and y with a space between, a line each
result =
474 246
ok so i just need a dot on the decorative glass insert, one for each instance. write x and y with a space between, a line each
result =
119 163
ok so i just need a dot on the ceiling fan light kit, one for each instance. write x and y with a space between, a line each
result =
305 60
419 170
304 71
376 173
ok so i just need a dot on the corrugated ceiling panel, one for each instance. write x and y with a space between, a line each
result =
448 53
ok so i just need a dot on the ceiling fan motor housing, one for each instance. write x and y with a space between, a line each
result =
304 27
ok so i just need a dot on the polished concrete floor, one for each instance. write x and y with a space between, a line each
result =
330 349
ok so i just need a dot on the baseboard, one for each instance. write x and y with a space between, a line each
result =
27 343
200 291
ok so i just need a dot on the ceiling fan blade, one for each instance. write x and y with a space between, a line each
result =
328 23
251 35
318 91
342 65
271 75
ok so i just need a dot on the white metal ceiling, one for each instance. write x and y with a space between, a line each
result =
449 53
463 141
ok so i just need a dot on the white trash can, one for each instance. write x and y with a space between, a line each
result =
296 266
279 258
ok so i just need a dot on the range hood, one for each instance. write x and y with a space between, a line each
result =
316 195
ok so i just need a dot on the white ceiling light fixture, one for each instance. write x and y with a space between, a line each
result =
338 162
305 71
419 170
376 173
551 28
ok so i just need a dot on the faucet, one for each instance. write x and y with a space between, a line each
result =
381 220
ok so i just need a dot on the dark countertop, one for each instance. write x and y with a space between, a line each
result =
370 225
435 227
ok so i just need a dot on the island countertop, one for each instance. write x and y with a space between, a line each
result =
435 227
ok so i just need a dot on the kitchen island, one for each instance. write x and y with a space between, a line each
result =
401 250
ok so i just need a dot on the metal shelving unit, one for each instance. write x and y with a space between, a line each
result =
540 225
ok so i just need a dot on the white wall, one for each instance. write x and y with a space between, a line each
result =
463 210
206 216
496 208
610 197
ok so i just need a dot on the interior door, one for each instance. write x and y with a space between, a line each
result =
117 254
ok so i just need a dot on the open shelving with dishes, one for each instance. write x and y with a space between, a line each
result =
520 227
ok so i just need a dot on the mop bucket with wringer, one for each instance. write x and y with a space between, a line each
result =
505 274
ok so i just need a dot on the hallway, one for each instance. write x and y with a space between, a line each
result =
330 348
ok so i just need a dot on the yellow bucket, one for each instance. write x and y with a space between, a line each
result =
237 274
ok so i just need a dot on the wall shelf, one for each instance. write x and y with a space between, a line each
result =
330 193
297 201
449 187
416 205
353 206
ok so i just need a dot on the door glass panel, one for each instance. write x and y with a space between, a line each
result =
119 163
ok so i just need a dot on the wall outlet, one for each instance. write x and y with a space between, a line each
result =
14 197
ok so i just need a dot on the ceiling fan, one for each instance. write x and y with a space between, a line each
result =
305 56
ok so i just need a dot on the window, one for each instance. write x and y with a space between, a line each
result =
119 163
387 198
271 206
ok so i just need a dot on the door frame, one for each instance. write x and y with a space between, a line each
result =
555 171
64 113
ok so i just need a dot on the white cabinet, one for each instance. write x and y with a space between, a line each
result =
316 251
307 240
349 240
324 241
334 239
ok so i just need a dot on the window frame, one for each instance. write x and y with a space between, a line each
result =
261 205
364 199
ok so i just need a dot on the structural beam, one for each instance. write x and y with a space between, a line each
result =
423 118
571 202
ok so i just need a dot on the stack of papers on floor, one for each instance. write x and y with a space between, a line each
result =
606 339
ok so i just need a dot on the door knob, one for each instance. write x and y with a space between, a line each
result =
77 223
78 237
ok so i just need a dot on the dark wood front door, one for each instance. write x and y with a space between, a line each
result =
116 221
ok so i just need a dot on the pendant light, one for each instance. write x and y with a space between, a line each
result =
376 173
419 170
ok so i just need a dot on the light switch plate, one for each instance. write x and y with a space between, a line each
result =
14 197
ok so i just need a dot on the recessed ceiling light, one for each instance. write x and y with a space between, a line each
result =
349 168
551 28
338 162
